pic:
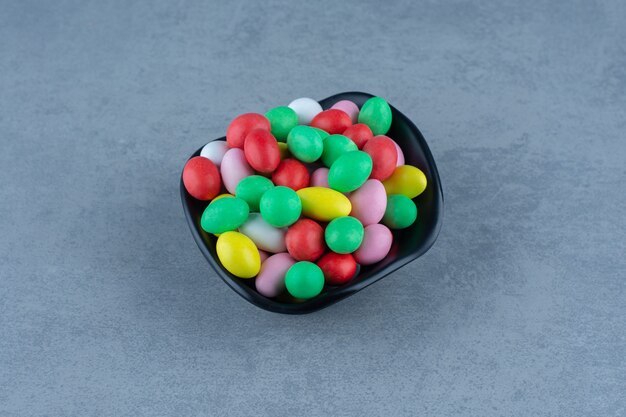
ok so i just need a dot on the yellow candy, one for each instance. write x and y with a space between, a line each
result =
284 150
238 254
406 180
323 204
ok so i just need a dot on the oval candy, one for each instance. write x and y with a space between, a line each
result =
344 234
369 202
359 133
335 146
215 151
265 236
338 268
250 189
201 178
291 173
280 206
350 171
224 214
261 151
332 121
319 178
305 143
401 212
376 113
305 240
304 280
377 240
406 180
384 156
271 279
349 108
234 168
306 109
238 254
282 120
323 204
241 125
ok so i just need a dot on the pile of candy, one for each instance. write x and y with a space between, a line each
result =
300 196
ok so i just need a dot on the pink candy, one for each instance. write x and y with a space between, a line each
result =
348 107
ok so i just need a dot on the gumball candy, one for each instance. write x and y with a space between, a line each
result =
304 280
319 178
401 212
332 121
359 133
305 240
384 156
399 152
282 120
264 235
323 204
323 134
334 147
369 202
306 109
350 171
201 178
238 254
250 189
261 151
305 143
344 234
234 168
349 108
376 113
271 279
338 268
406 180
224 214
242 125
291 173
280 206
377 240
215 151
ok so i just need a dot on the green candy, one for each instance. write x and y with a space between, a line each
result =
335 146
350 171
344 234
282 120
304 280
305 143
250 189
280 206
376 113
401 212
323 134
224 215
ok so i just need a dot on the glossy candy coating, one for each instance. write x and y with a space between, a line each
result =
291 173
305 143
271 279
376 113
280 206
224 214
215 151
377 240
250 189
349 108
384 156
306 109
350 171
265 236
323 204
338 268
332 121
359 133
369 202
344 234
323 134
282 120
319 177
234 168
401 212
201 178
261 151
241 125
406 180
305 240
304 280
335 146
238 254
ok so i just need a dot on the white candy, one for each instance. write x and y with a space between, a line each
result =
265 236
215 151
306 109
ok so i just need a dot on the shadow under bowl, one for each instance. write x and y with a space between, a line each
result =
408 245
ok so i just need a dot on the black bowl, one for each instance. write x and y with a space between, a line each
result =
408 245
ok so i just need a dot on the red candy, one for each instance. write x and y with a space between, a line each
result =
384 156
261 150
242 125
337 268
332 121
360 133
201 178
305 240
291 173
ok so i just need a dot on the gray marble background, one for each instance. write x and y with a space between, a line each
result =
108 308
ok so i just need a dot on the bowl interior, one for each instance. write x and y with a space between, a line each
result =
409 243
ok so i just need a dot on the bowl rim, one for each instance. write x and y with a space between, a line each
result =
337 293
